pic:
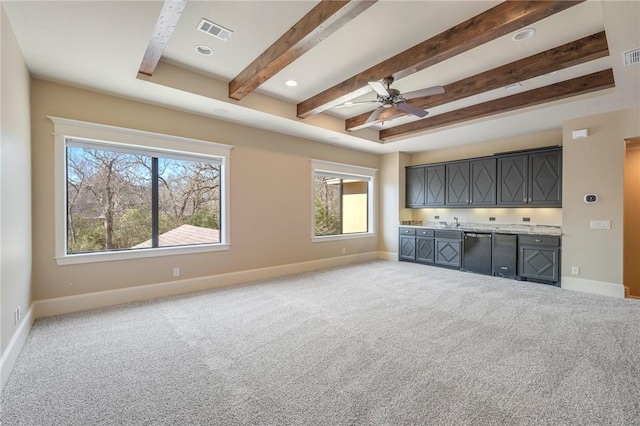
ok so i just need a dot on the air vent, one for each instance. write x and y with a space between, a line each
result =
632 57
214 30
514 86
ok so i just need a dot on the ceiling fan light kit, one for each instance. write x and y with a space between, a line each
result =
388 97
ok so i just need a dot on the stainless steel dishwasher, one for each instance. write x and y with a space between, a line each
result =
477 253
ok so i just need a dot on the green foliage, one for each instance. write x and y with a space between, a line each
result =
132 228
205 218
327 222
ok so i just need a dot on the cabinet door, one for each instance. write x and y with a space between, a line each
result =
448 252
407 248
458 183
415 187
483 181
435 185
545 182
512 180
539 262
425 250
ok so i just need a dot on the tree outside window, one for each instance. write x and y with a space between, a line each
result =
120 200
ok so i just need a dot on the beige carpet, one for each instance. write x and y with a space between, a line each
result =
379 343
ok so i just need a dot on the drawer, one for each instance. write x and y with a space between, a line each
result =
539 240
451 235
424 232
407 231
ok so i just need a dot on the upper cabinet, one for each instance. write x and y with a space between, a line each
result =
415 187
483 182
545 178
512 178
458 183
425 186
532 178
435 185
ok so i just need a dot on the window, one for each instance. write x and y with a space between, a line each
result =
342 201
131 196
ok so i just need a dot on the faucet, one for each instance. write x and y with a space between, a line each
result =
457 223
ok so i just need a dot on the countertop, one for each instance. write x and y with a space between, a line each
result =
489 227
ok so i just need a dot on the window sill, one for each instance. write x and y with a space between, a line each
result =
74 259
342 237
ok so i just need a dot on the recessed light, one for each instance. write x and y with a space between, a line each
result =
523 34
291 83
204 50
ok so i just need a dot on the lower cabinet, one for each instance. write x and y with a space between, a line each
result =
539 258
407 248
448 248
425 251
417 245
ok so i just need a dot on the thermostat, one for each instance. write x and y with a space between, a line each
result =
590 198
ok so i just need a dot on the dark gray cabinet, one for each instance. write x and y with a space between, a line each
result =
425 252
415 193
425 186
483 182
545 178
512 180
458 183
533 179
539 258
448 248
417 245
407 244
435 185
527 178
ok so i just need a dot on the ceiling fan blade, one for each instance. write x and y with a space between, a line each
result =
410 109
379 88
429 91
374 115
347 104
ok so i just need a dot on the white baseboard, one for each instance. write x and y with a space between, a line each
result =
387 255
100 299
590 286
10 355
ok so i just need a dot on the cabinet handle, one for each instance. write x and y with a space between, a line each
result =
538 241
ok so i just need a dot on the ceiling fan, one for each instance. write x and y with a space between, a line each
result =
389 97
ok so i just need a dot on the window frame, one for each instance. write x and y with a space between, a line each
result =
125 138
345 171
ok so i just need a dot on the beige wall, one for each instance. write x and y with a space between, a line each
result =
392 194
15 183
595 165
270 195
632 219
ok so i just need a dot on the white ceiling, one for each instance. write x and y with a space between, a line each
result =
99 45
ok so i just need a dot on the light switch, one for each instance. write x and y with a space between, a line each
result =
600 224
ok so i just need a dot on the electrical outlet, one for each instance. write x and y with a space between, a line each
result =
575 270
492 219
600 224
344 250
526 219
176 272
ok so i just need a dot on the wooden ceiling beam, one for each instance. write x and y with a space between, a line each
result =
489 25
325 18
169 16
577 52
566 89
